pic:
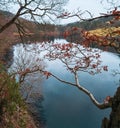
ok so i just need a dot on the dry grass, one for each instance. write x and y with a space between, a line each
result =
111 31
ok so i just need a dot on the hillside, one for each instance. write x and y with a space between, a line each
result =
9 117
29 31
6 41
93 24
32 31
103 33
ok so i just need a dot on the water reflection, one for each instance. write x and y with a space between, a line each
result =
65 106
37 110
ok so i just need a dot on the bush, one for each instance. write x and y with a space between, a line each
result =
12 106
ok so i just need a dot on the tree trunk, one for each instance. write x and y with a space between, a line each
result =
114 119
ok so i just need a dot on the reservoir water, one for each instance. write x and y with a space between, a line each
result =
65 106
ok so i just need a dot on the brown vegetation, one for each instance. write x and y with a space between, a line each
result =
13 111
9 37
27 31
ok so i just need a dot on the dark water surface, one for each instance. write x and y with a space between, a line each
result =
67 107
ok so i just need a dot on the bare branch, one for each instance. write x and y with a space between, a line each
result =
37 9
81 88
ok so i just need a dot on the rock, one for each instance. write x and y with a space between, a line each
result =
114 119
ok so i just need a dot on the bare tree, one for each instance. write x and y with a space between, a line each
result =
36 10
76 59
26 69
111 38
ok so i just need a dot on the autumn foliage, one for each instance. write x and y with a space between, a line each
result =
77 55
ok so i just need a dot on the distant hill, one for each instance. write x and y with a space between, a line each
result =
40 32
90 25
6 13
32 31
29 26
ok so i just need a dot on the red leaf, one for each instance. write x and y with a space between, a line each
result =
67 54
74 28
27 70
66 34
47 74
107 99
105 68
94 65
115 10
63 47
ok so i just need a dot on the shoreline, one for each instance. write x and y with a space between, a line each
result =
6 58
